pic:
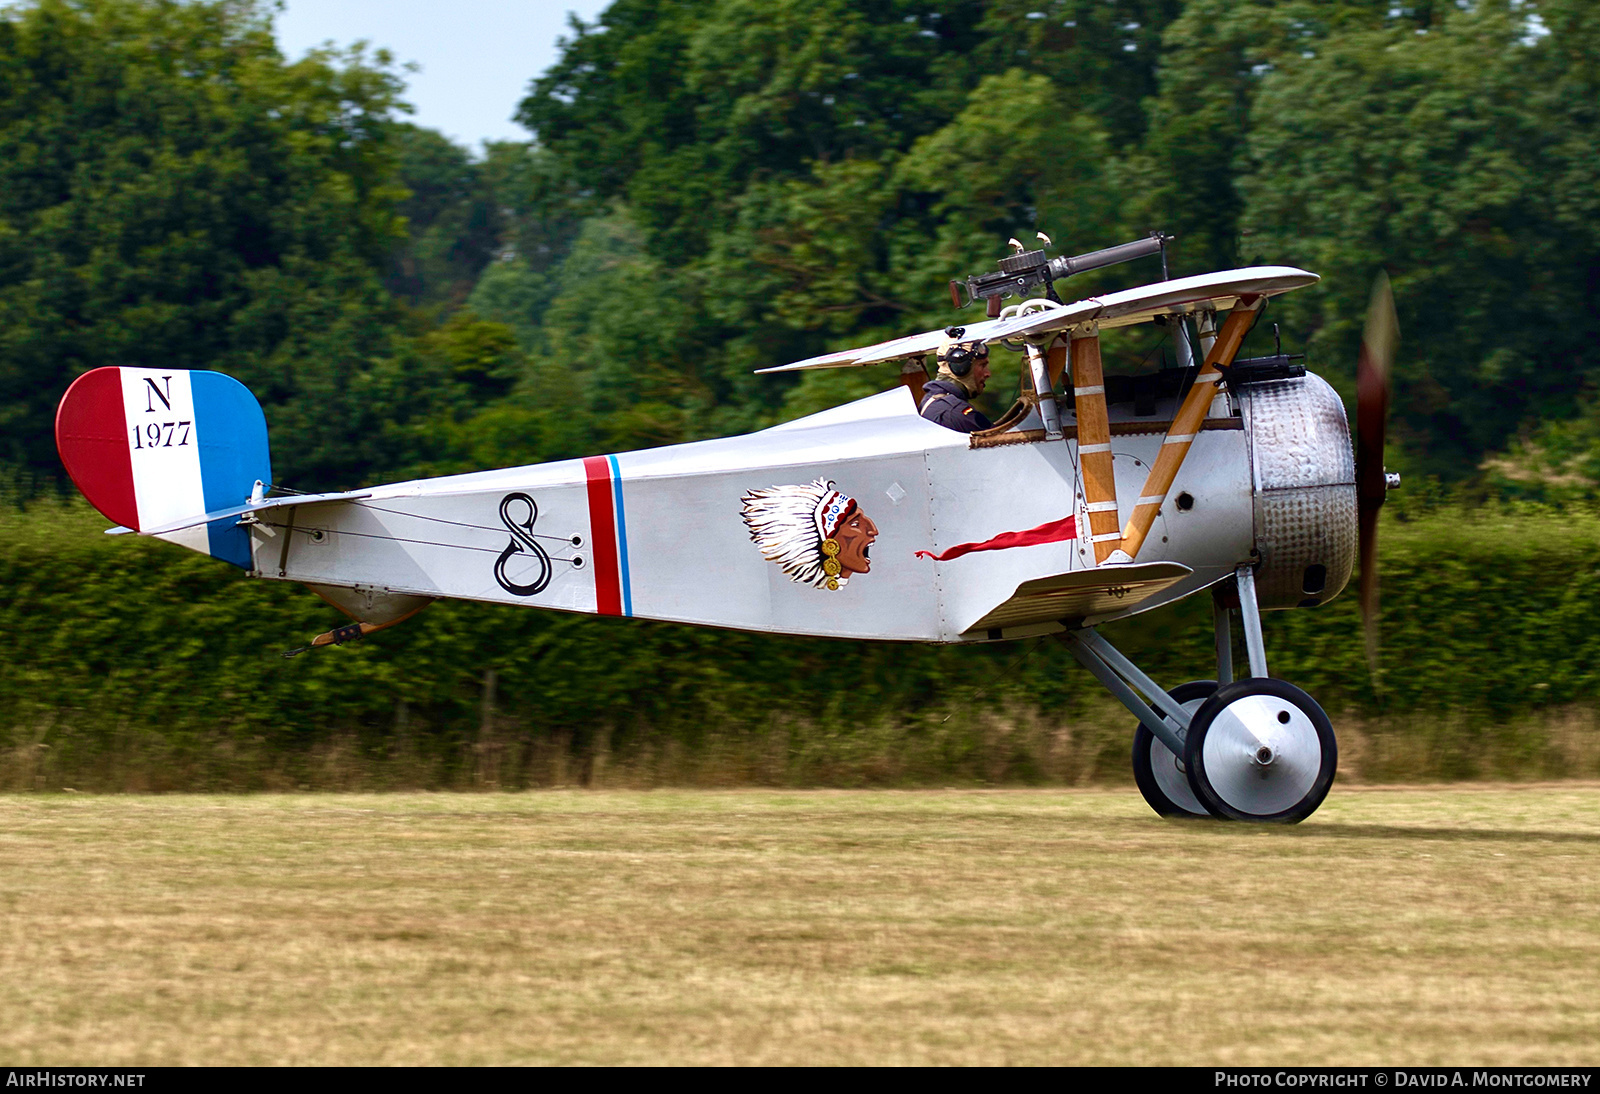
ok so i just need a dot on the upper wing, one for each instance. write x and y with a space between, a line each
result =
915 345
1185 295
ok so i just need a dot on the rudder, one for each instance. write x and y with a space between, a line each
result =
151 446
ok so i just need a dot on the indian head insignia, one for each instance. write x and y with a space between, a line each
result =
818 535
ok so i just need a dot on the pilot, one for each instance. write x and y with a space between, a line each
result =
963 370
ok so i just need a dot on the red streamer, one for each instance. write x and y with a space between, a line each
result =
1054 532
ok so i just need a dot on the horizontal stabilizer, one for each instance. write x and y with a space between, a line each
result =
1081 593
241 510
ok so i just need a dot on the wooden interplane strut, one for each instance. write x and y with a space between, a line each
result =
1057 358
1094 442
913 374
1186 424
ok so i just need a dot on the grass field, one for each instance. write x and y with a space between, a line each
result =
1397 926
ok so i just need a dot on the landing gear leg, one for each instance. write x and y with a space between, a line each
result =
1222 625
1158 742
1255 646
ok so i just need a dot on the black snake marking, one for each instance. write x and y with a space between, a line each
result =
522 542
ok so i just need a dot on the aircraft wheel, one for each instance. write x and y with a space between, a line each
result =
1261 750
1158 772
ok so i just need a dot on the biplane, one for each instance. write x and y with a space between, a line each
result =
1094 498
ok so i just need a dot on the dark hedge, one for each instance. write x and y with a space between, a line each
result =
119 654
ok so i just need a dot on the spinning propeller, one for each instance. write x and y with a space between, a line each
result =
1372 410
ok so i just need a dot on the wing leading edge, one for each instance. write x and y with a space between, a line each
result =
1181 296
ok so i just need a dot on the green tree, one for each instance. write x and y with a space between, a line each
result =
1462 160
453 222
174 194
678 105
1214 58
1105 54
803 174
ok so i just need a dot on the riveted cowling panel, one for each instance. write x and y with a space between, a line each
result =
1304 475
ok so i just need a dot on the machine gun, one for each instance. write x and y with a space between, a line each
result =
1025 271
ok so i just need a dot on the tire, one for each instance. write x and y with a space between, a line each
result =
1261 750
1159 775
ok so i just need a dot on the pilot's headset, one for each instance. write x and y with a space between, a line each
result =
958 356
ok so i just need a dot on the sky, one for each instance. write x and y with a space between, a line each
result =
476 56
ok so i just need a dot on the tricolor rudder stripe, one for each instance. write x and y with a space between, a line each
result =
608 530
152 446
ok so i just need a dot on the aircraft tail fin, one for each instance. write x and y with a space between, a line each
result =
152 447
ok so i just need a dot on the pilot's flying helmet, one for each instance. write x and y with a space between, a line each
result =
956 357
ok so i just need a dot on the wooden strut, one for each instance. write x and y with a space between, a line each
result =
1057 360
1186 424
1094 442
914 374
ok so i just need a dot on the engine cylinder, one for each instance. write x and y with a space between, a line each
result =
1303 475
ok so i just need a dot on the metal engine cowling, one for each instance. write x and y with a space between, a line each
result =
1303 475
